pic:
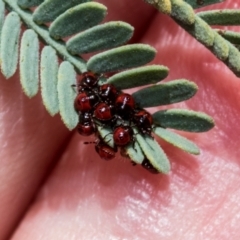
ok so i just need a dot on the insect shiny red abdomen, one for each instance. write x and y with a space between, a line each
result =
147 165
124 105
108 93
105 151
85 129
143 121
122 135
84 102
85 126
87 80
103 112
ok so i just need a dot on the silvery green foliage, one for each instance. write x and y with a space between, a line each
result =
83 18
199 4
29 57
49 79
9 44
198 25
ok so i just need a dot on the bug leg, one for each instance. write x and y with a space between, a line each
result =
74 87
105 137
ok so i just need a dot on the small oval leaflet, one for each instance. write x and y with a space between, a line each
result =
49 79
164 6
29 57
185 120
78 18
101 37
231 36
106 134
67 94
234 59
29 3
227 17
51 9
120 58
203 32
154 153
202 3
166 93
182 12
220 47
2 16
139 76
177 140
10 44
135 153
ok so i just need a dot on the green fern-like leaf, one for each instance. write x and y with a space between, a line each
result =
58 81
198 25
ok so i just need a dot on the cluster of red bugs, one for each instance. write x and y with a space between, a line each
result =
105 105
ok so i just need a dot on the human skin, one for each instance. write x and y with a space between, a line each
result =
55 187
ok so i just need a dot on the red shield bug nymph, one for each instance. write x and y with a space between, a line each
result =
87 81
122 135
143 121
84 102
104 151
147 165
104 112
86 126
107 93
124 105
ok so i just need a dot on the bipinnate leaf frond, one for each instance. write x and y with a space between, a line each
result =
60 61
